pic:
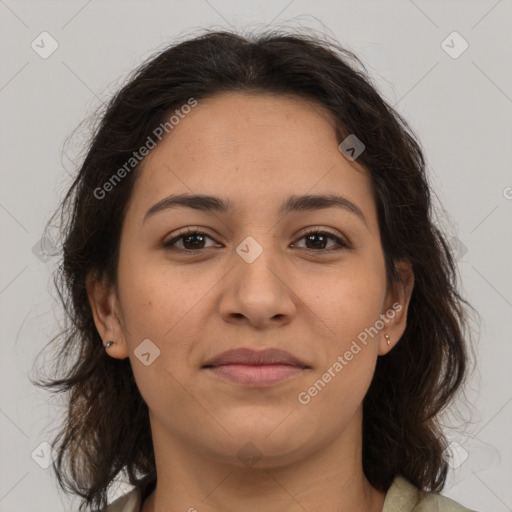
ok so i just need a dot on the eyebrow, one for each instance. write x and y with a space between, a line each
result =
207 203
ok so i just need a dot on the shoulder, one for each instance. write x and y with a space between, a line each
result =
436 502
403 496
130 502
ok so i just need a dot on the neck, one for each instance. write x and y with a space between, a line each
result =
331 478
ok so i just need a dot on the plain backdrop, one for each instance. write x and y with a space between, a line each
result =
443 64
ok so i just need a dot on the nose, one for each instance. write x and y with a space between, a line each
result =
258 290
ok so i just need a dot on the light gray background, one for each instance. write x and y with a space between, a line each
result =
460 108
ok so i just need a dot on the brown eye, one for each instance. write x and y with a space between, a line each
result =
192 241
317 240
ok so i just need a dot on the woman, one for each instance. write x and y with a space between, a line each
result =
264 316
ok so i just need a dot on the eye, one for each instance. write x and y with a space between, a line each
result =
318 238
192 238
193 241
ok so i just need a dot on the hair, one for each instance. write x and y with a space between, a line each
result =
107 429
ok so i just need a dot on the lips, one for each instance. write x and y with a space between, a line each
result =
255 369
244 356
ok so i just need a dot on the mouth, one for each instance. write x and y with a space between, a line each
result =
252 368
256 375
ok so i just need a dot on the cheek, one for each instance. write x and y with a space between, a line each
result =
348 300
156 297
349 353
337 393
157 306
349 308
168 306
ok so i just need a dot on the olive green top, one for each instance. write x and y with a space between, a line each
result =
402 496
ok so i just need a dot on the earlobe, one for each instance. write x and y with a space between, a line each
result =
397 304
104 305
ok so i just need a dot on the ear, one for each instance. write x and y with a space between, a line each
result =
396 305
104 303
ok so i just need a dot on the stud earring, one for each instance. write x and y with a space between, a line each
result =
108 344
387 339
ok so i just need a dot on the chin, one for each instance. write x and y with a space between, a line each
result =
261 445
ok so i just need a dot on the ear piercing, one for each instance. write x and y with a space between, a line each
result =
108 344
387 339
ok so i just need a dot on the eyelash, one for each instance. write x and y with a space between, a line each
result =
170 244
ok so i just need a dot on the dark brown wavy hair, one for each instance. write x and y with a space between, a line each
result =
107 431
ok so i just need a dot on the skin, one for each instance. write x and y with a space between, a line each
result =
255 150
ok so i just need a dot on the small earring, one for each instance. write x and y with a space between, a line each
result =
108 344
387 339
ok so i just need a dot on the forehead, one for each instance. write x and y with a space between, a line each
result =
252 148
254 124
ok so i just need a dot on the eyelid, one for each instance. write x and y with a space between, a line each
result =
341 241
190 230
328 231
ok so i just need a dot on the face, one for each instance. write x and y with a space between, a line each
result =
197 282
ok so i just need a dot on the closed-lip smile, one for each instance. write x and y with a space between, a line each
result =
255 368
